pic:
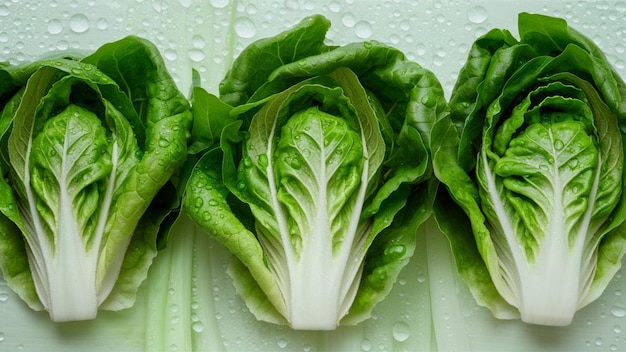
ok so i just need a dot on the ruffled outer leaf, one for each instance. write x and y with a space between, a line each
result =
506 91
106 186
301 72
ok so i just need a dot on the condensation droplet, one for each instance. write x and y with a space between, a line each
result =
291 4
401 331
170 54
477 14
420 49
4 10
282 342
348 20
618 311
366 345
102 24
219 4
196 55
334 6
4 296
197 326
79 23
245 28
198 41
55 27
598 341
363 29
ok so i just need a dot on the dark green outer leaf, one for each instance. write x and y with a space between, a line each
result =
407 100
207 204
473 100
251 69
472 74
146 86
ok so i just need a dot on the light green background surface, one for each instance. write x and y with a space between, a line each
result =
428 309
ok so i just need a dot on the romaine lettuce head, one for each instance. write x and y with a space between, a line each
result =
537 173
88 149
321 176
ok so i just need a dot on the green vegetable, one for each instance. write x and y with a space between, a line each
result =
537 173
321 174
89 147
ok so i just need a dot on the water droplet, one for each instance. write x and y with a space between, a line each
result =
263 161
55 27
197 41
334 6
598 341
164 143
292 4
213 202
363 29
348 20
102 23
401 331
618 311
4 296
79 23
617 329
197 326
1 336
4 10
245 28
282 342
170 54
219 4
421 278
558 144
420 49
196 55
477 14
366 345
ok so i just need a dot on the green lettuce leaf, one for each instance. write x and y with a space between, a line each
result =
90 153
532 159
326 166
